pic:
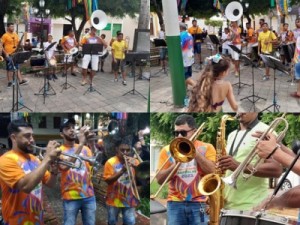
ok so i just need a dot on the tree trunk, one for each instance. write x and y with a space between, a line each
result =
144 19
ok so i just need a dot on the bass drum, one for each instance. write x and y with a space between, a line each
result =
235 217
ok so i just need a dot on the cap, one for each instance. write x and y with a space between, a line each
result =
66 123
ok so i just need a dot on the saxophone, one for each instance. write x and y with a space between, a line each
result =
211 185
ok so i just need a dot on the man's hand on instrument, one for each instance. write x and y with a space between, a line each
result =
52 150
82 135
265 147
227 163
265 203
130 161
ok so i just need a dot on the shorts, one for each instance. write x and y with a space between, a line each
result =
188 72
86 60
297 71
235 55
197 48
68 58
10 65
163 53
226 51
119 63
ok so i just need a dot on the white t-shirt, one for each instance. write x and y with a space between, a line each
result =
50 52
161 35
224 37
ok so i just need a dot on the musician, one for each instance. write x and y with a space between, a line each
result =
225 41
90 38
120 197
296 61
236 41
119 48
103 57
239 144
10 41
250 37
76 185
286 37
266 39
183 194
50 53
193 30
141 147
296 31
260 29
68 42
22 175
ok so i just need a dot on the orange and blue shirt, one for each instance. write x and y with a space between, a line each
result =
76 183
19 208
119 193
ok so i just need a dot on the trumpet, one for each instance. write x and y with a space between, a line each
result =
60 161
183 151
232 179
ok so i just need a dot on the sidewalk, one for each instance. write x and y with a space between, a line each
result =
112 96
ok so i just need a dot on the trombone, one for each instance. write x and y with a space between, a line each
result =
131 179
183 151
60 161
232 179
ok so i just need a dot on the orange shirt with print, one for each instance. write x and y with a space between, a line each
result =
77 183
10 42
119 193
195 30
251 35
237 37
19 207
68 42
184 184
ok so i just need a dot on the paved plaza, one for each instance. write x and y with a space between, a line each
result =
112 96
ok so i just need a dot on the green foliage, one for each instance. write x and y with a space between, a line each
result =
213 23
162 126
155 186
144 206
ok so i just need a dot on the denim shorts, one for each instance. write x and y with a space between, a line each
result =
297 71
186 213
197 47
188 72
163 53
128 215
10 65
87 206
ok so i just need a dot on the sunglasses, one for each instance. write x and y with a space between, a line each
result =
183 133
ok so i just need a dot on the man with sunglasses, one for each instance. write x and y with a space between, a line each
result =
186 205
119 197
251 192
10 41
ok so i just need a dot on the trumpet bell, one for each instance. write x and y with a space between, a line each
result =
182 150
99 19
234 11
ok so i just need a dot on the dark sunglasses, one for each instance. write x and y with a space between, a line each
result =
183 133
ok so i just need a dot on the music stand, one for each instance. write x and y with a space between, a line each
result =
66 85
215 40
162 45
18 58
92 49
253 96
47 86
239 84
275 64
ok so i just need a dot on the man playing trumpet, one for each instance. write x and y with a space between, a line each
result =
22 175
120 194
76 185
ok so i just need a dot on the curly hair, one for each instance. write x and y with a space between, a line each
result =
201 95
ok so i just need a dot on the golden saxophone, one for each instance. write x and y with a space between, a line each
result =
212 185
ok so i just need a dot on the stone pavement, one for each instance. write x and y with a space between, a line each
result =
162 100
73 100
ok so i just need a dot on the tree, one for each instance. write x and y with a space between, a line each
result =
213 23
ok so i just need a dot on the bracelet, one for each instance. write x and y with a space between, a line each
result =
273 151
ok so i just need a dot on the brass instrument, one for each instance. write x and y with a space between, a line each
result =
232 179
131 179
211 185
183 151
60 161
137 155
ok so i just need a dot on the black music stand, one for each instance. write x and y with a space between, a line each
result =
18 58
66 85
253 96
275 64
215 40
133 59
47 86
161 44
92 49
239 84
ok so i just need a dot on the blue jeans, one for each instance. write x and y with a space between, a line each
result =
87 207
186 213
128 215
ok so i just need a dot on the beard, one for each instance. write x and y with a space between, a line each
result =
69 137
25 148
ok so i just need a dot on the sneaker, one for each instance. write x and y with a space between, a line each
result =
9 84
124 82
73 74
116 80
54 76
23 82
265 78
83 83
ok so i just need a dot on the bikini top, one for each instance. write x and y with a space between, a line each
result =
214 106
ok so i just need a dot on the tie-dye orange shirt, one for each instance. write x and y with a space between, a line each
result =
76 183
184 184
18 207
119 193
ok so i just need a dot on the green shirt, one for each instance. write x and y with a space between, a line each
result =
250 192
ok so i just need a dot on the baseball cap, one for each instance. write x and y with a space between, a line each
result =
66 123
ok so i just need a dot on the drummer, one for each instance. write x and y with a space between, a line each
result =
68 42
50 53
